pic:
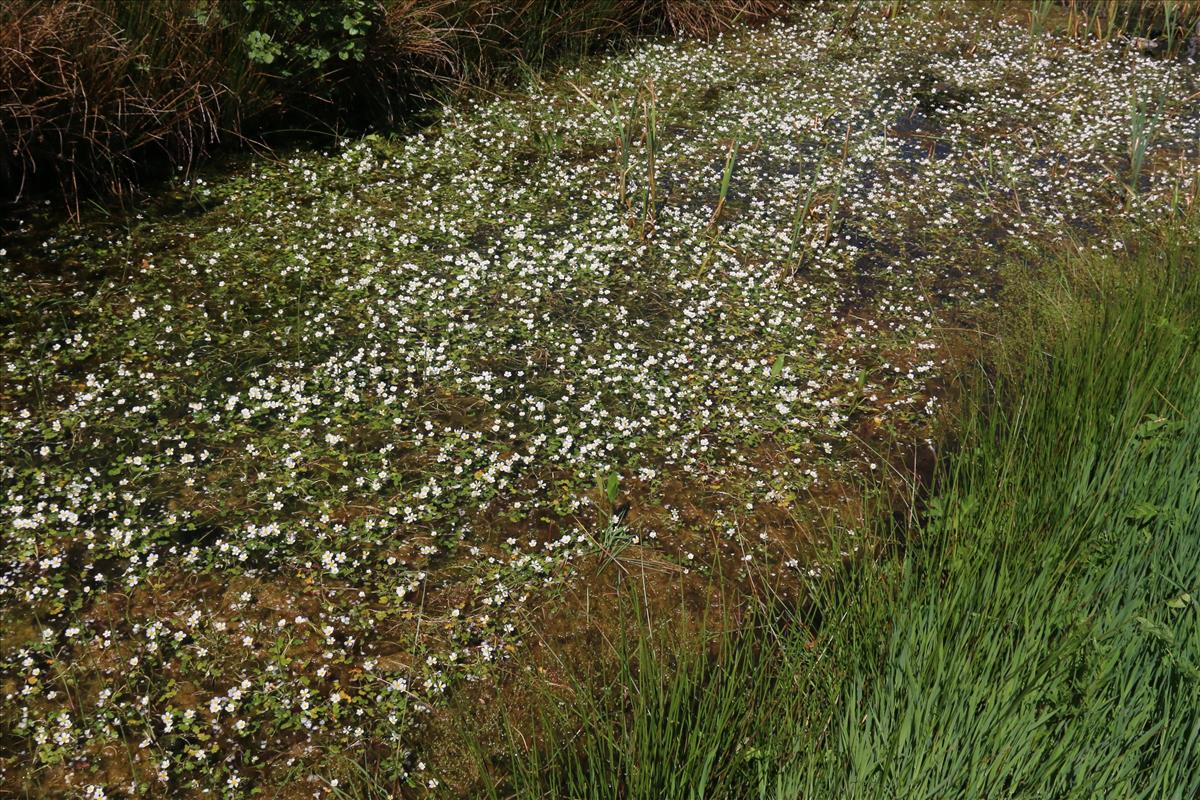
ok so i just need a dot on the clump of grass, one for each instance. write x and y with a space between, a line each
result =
651 143
726 178
1037 637
91 89
1039 12
797 243
1164 26
1143 128
674 723
102 93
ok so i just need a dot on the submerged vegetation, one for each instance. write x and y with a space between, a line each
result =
346 445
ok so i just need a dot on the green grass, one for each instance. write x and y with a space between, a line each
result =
674 728
1165 26
1037 637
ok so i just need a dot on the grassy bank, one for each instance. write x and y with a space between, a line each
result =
1037 637
101 93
